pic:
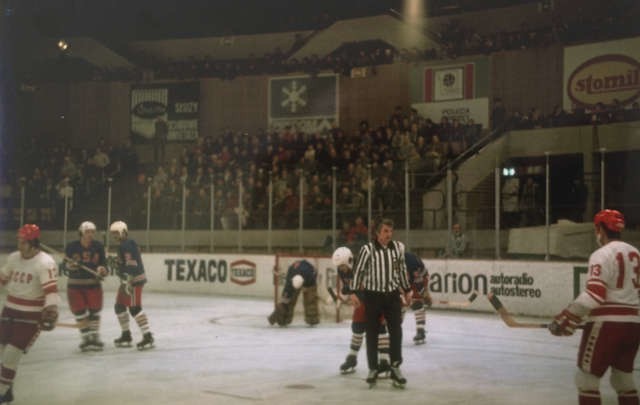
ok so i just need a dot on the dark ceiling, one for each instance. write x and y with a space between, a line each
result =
126 20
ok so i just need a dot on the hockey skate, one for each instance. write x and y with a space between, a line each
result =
7 397
85 345
372 378
272 318
396 376
95 343
349 365
383 368
124 340
420 337
146 342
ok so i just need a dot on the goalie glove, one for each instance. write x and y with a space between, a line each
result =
565 323
49 317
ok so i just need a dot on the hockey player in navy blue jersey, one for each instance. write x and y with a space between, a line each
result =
132 276
84 289
419 279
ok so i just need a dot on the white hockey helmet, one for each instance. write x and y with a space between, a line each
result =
86 226
119 227
342 256
297 281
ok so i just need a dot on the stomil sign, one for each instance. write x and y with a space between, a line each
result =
604 79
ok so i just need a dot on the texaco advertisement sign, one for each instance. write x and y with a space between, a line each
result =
602 73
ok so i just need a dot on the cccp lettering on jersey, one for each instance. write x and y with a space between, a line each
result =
21 277
197 270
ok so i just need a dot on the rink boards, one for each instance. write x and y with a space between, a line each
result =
527 288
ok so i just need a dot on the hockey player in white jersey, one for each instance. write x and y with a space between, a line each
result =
610 306
30 277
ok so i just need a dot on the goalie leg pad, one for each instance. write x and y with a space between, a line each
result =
281 313
311 310
288 318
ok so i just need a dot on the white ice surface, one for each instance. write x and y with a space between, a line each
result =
221 350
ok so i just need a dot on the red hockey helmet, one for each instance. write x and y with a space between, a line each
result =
29 232
613 220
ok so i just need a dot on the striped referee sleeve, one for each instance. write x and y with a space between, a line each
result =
361 266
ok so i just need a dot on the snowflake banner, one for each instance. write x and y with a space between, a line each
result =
306 103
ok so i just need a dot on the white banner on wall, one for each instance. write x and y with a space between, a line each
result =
527 288
602 72
462 110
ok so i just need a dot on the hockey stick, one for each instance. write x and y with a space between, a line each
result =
508 319
338 300
506 316
77 325
462 304
70 260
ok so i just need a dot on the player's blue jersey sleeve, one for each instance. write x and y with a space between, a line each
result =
131 261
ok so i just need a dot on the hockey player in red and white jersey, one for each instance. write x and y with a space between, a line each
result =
30 277
610 306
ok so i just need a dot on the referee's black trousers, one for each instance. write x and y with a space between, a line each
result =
389 305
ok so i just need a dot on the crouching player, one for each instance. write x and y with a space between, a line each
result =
419 279
610 302
31 278
301 275
342 259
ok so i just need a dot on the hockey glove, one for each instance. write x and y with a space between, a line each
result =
564 324
102 271
427 299
417 304
49 317
71 265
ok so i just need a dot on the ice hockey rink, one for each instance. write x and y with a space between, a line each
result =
221 350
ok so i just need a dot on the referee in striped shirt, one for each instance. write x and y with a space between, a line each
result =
381 272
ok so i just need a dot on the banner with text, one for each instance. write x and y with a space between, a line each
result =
304 103
165 110
464 110
603 72
524 287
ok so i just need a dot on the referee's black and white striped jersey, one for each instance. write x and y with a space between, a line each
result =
382 269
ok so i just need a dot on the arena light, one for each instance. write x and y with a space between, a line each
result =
508 171
413 12
63 45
